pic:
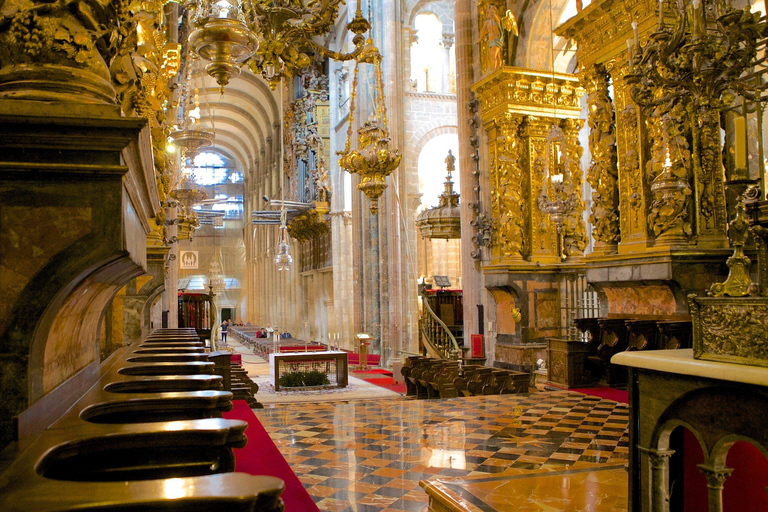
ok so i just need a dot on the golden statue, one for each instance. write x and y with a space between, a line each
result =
511 33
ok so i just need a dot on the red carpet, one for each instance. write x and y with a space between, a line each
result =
261 457
353 359
373 372
616 395
387 383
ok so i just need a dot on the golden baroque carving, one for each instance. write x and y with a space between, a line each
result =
307 226
40 41
575 236
509 203
731 329
670 170
603 172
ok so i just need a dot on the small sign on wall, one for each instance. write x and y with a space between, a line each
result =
188 260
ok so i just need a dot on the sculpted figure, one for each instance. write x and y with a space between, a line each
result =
492 37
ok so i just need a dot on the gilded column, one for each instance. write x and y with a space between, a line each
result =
634 189
533 134
603 171
575 235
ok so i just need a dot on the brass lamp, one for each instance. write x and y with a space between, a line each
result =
375 158
273 36
223 39
192 136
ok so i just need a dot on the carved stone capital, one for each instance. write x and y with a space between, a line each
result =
716 477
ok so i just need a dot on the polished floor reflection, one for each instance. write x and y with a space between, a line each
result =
370 455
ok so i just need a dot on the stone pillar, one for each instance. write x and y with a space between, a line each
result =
447 43
659 462
715 480
470 202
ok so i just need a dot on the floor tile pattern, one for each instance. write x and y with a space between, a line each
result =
370 455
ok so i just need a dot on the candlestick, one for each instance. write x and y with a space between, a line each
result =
740 127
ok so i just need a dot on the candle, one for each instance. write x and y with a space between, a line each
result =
630 56
661 13
635 33
740 127
696 5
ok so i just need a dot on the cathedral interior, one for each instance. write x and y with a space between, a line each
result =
512 253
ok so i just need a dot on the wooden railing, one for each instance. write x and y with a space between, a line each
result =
438 339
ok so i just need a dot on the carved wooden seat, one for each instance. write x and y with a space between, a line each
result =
674 334
641 334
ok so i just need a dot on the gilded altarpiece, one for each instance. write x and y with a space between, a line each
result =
621 192
669 196
518 108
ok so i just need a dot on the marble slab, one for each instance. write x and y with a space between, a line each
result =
681 362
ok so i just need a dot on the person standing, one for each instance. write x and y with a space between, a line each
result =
224 328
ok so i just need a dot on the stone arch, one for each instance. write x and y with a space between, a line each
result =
423 135
440 8
710 412
666 430
721 448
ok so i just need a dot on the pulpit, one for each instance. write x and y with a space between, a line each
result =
363 341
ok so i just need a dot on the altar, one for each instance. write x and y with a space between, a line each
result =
301 370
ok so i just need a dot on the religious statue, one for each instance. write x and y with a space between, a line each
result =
511 33
322 183
450 162
492 37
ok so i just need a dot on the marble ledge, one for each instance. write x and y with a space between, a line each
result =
682 362
594 487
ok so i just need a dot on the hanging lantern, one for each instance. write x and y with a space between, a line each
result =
375 158
215 278
192 136
283 259
224 40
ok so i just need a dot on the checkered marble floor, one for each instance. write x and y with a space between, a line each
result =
370 455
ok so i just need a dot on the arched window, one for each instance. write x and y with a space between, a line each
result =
432 59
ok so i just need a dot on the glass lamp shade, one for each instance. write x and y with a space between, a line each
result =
283 259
